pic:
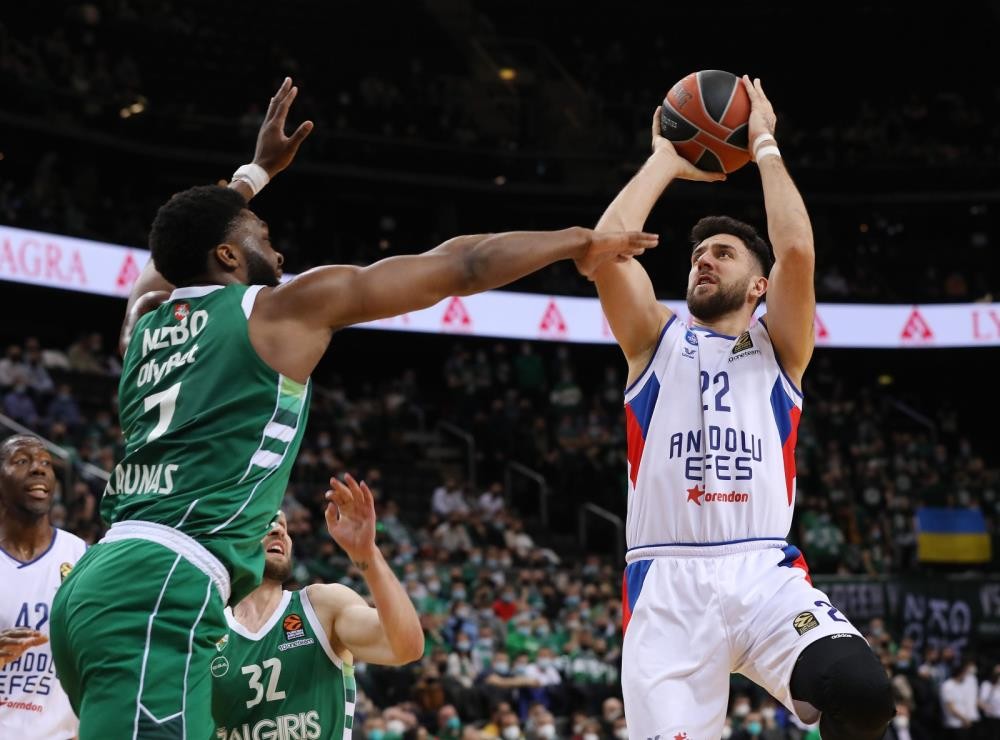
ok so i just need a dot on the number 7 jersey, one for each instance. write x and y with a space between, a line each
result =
211 431
711 426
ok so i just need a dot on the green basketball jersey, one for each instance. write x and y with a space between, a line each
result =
282 682
211 431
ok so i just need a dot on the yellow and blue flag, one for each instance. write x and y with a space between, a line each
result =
952 536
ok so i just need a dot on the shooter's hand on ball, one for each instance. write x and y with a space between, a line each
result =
762 121
663 150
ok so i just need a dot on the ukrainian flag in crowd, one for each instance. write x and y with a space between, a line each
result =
952 536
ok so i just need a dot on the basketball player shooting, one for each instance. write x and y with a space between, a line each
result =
712 407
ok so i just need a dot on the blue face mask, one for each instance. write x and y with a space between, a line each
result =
453 723
376 734
755 728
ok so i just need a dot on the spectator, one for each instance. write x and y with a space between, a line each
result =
959 701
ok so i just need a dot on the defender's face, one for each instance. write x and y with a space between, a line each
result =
262 261
27 479
278 550
721 271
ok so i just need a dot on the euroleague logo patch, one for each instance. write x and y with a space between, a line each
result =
293 627
805 622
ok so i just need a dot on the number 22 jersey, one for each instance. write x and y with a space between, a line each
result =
711 426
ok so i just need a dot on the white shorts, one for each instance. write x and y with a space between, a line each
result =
694 615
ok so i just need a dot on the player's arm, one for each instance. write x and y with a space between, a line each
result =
328 298
273 153
791 295
390 633
626 292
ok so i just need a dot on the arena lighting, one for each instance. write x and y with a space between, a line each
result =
54 261
507 74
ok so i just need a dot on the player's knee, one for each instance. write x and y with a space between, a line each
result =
845 680
860 694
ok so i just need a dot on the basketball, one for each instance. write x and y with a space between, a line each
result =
705 117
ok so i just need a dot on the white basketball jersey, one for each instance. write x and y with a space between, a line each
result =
32 703
711 425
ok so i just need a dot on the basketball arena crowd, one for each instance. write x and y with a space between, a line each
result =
522 624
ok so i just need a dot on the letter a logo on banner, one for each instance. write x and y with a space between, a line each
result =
128 273
916 327
552 322
455 315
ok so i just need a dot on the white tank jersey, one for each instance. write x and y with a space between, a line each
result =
32 703
711 426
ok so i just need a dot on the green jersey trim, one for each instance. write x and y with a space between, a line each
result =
276 437
317 626
347 669
236 626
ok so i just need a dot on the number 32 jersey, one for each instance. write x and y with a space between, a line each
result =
711 425
211 431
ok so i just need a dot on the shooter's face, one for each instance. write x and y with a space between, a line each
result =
722 274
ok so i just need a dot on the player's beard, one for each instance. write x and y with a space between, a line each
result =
278 571
260 271
722 301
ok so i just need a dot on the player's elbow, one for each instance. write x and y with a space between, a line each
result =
798 253
411 649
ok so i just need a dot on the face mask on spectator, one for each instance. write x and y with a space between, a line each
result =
511 732
453 723
545 663
577 728
376 734
767 713
546 731
524 629
901 722
501 668
485 642
590 736
395 728
462 647
463 612
458 594
621 733
543 631
754 728
741 710
434 587
507 596
727 732
486 612
572 600
520 669
476 559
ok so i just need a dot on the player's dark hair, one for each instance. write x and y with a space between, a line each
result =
713 225
188 226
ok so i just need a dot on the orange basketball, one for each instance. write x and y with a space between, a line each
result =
705 116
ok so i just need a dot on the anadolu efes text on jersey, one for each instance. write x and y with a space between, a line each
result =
712 424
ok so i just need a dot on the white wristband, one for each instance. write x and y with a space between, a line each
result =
761 139
253 175
767 151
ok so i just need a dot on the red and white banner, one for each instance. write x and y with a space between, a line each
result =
78 264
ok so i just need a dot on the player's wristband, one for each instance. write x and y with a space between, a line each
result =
761 139
253 175
767 151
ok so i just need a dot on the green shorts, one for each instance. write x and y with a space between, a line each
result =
134 630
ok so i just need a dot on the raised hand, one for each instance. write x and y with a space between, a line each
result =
762 117
350 517
613 245
15 640
275 151
683 169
